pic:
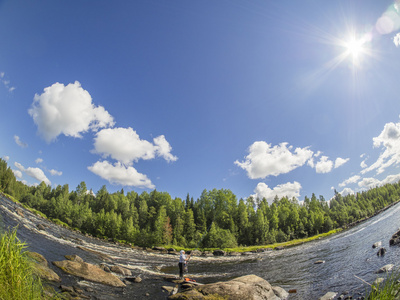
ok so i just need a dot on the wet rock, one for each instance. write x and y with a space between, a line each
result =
376 245
41 268
280 248
234 253
381 252
171 250
395 239
385 268
68 289
378 281
318 262
89 272
328 296
280 292
161 249
219 252
73 258
121 270
40 227
245 287
167 288
102 256
207 254
138 279
195 253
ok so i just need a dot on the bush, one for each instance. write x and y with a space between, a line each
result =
16 272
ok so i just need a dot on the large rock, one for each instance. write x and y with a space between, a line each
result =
395 239
385 268
249 287
89 272
41 268
328 296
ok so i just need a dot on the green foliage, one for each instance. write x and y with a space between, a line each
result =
389 289
216 219
16 272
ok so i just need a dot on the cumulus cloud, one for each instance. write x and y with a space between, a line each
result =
350 180
264 160
35 173
38 160
120 174
19 142
347 191
55 172
370 182
389 142
17 173
67 110
340 161
125 145
287 189
396 40
324 165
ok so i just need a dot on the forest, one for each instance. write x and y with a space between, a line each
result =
217 219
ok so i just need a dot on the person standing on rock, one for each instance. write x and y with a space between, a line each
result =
182 262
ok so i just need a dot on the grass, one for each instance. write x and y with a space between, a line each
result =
389 289
16 271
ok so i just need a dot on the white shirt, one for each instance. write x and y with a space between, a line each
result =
182 258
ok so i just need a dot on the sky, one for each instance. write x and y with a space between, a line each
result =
263 98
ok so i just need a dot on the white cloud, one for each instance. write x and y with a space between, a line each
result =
363 164
55 172
264 160
347 191
324 165
287 189
19 142
124 145
340 161
389 141
6 82
120 174
370 182
396 40
67 110
17 173
350 180
6 158
38 160
35 173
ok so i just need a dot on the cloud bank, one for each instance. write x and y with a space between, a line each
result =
288 189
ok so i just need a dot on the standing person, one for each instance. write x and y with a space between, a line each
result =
182 262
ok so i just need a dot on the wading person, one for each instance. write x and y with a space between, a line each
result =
182 262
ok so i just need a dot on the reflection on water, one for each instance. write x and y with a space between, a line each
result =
346 254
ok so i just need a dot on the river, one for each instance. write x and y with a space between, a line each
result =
347 254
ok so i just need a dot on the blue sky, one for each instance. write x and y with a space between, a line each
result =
263 98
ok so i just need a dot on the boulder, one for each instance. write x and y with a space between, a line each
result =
242 288
395 239
121 270
328 296
74 258
195 253
385 268
89 272
219 252
381 252
376 245
41 268
280 292
378 281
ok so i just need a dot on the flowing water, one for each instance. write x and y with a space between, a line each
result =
346 255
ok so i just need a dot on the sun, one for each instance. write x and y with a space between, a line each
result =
356 48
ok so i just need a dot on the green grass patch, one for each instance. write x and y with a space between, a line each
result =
389 289
16 271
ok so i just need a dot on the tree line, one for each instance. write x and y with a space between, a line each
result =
217 219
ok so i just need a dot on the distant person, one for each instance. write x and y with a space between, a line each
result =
182 262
